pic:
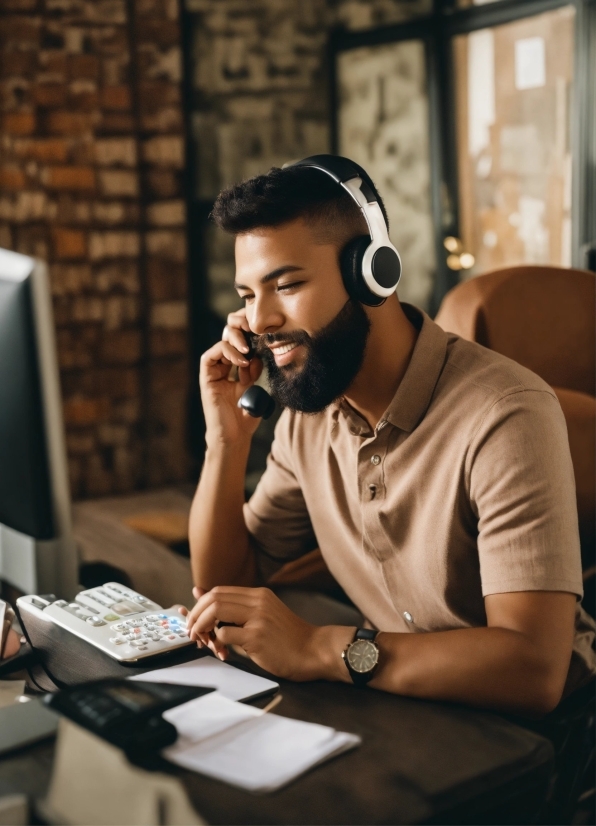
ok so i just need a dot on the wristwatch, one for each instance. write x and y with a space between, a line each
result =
362 656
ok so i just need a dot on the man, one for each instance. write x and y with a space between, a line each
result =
433 474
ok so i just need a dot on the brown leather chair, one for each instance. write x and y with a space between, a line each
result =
543 318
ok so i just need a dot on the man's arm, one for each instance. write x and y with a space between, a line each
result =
518 663
220 549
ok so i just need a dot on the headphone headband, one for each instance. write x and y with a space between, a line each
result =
379 264
342 170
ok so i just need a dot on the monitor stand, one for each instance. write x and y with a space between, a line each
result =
39 566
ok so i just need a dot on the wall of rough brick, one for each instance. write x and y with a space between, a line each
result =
92 180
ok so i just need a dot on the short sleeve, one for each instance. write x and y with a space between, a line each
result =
523 492
276 515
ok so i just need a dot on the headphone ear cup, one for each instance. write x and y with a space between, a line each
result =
351 271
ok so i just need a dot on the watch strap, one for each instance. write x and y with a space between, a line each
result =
365 634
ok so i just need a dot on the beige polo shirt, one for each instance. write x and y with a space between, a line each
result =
465 488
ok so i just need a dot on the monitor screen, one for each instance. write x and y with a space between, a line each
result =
25 491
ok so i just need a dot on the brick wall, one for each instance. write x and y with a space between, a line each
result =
91 178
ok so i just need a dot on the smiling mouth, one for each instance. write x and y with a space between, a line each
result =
281 349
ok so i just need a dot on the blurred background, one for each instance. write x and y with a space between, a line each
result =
122 119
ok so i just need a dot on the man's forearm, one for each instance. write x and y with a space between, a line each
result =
487 667
219 543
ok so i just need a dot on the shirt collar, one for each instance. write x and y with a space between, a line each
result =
416 389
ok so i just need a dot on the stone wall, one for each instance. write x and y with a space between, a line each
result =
261 94
91 175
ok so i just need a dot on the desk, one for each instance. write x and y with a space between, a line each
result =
420 762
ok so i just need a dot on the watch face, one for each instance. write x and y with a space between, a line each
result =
362 656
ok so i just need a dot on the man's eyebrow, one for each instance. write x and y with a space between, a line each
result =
271 276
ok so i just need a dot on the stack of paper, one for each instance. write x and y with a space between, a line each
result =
246 747
231 682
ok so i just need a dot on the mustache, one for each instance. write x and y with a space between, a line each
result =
262 343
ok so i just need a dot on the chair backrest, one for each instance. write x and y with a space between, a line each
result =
542 317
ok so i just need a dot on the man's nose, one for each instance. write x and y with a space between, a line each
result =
264 318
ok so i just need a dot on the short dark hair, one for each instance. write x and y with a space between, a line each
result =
283 195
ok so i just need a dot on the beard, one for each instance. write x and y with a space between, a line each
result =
334 356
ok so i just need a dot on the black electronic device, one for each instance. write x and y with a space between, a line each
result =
125 713
38 551
370 264
256 401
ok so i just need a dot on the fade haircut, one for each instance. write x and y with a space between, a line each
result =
284 195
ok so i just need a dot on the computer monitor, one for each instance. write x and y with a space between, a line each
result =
37 551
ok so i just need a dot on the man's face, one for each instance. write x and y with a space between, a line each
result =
312 337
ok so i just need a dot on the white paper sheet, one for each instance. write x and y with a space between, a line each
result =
208 715
229 681
247 748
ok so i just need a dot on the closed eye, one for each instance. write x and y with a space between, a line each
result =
283 287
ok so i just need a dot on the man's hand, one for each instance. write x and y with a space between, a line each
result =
270 634
226 422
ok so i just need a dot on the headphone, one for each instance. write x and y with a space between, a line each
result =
370 265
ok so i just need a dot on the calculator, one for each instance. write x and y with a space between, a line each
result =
126 714
121 622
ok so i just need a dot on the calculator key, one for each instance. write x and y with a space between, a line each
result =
95 621
151 617
116 640
183 633
171 637
121 626
162 616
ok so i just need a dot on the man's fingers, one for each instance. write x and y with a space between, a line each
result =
231 593
222 353
219 612
238 319
218 648
232 635
236 338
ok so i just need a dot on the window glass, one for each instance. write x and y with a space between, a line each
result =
514 86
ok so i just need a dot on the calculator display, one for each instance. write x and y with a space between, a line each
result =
126 608
132 698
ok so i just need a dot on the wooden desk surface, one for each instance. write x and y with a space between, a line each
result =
419 762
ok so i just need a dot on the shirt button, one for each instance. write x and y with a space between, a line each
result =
408 617
375 459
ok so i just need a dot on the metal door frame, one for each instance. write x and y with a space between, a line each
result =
436 31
